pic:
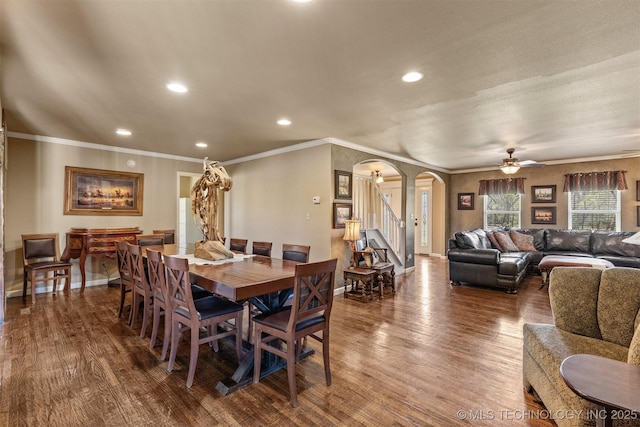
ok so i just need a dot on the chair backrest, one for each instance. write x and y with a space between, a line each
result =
155 266
124 262
150 239
179 286
238 245
39 247
138 275
169 236
298 253
312 291
262 248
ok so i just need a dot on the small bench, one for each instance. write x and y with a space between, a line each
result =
550 261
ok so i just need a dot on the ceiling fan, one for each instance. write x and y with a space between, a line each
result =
511 165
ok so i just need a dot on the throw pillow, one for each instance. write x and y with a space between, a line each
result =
494 241
524 242
505 241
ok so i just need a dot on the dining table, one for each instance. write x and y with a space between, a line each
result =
264 281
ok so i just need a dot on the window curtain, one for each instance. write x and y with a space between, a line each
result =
490 187
595 181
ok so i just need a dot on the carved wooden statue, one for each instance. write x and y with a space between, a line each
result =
204 208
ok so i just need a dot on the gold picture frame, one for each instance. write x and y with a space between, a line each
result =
102 192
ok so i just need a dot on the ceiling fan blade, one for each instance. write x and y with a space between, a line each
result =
532 165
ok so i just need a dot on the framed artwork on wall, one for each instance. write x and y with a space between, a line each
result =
341 213
543 215
102 192
343 184
465 201
637 191
638 216
543 194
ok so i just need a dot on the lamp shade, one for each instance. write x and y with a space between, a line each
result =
351 230
510 168
633 240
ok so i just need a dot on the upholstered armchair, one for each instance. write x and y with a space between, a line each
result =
595 312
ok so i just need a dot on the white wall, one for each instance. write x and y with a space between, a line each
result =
271 200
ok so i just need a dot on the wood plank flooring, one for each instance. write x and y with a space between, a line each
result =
435 355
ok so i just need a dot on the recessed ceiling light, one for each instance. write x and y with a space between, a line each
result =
412 77
123 132
301 1
201 144
284 122
177 87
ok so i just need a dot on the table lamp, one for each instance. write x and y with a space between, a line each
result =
351 234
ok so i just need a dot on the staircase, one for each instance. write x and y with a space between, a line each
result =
380 224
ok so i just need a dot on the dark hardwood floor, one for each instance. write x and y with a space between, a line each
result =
435 355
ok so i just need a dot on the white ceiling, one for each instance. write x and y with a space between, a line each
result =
556 79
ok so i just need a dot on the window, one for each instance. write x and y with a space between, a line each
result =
502 210
594 210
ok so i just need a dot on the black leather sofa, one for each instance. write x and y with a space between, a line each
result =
474 259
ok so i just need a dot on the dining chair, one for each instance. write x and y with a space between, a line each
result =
141 290
40 257
124 268
156 239
158 283
298 253
310 313
169 236
212 313
262 248
238 245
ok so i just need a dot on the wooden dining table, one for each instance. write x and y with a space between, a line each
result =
266 282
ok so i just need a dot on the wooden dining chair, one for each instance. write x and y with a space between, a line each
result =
310 313
40 258
298 253
161 305
156 239
262 248
141 290
169 236
213 313
124 268
238 245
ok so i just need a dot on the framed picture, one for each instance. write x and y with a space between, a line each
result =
465 201
344 184
638 191
543 215
638 216
543 194
341 213
102 192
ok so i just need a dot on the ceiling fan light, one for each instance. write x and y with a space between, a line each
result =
510 169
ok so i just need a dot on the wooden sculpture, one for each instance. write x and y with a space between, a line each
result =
204 208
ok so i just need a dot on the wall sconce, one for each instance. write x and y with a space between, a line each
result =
351 234
378 177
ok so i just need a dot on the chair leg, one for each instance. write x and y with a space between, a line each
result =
239 335
33 288
24 287
175 336
145 316
193 358
155 325
134 308
325 355
167 334
257 353
291 373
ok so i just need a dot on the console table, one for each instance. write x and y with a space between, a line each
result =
95 242
610 384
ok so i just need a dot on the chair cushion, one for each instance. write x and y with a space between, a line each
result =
48 264
294 256
211 307
199 292
261 250
280 319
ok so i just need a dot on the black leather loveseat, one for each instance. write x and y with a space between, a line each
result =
476 258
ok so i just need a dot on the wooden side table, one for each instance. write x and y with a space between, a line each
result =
361 281
385 274
610 384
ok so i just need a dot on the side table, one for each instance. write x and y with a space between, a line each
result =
362 281
610 384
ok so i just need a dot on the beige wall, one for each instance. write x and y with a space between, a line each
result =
549 175
35 198
272 200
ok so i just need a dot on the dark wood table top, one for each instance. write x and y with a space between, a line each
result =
603 381
239 280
